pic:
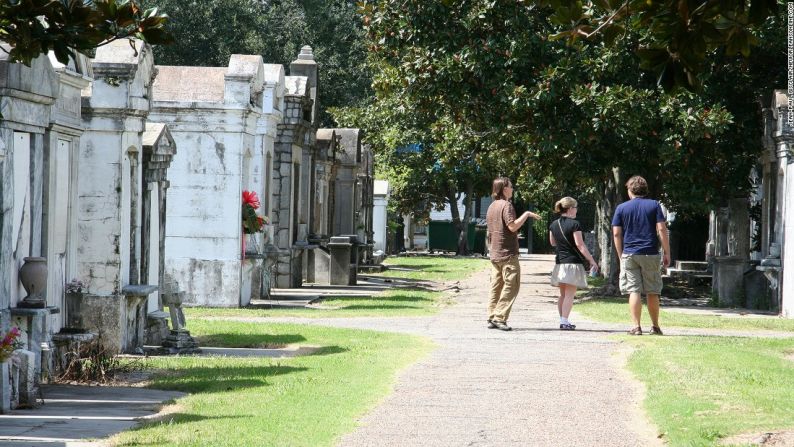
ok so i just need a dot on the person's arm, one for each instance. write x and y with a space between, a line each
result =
617 238
661 229
579 241
516 225
551 240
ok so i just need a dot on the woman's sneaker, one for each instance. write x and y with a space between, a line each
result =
567 327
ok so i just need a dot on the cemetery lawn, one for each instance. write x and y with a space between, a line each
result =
431 268
391 303
616 310
405 301
701 389
302 401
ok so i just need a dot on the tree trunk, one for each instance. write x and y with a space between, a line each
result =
452 199
464 230
612 195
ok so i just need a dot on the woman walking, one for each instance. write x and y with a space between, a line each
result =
565 235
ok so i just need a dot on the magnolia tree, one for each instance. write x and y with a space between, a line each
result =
34 27
492 89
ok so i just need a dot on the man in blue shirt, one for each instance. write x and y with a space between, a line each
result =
637 228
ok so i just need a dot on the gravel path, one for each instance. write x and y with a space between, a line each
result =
534 386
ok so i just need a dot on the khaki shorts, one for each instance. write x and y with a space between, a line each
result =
640 274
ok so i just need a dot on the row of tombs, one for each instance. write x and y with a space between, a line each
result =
121 186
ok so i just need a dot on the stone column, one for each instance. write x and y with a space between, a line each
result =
785 155
738 230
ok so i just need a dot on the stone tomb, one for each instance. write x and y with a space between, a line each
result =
111 195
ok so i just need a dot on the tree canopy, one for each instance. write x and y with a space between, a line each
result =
483 80
679 34
212 30
35 27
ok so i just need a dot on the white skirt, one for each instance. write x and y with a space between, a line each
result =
570 274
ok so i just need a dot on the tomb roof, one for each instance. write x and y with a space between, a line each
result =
189 83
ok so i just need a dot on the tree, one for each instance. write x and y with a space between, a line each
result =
35 27
562 117
427 168
213 30
680 34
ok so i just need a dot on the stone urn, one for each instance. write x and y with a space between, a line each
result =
33 276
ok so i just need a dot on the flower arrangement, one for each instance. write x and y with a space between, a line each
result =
75 286
9 343
252 222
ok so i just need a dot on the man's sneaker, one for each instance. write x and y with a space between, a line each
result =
636 331
491 325
567 327
501 325
656 330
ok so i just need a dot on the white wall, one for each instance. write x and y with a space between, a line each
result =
21 223
203 227
379 215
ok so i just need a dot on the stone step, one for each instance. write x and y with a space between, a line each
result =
692 265
700 280
679 273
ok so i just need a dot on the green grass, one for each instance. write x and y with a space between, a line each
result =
391 303
616 310
701 389
401 302
432 268
303 401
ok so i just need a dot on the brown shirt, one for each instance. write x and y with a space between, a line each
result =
503 242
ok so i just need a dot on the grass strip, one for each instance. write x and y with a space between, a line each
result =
391 303
398 302
702 389
616 310
302 401
431 268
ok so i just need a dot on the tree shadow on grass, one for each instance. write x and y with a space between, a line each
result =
209 379
242 340
328 350
380 307
410 267
394 298
173 419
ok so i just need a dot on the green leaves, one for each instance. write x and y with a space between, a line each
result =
34 27
686 30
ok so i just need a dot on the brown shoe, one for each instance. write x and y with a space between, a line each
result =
502 326
656 330
636 331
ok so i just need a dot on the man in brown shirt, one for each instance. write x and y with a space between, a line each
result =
503 248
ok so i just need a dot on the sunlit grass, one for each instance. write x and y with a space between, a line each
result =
616 310
391 303
432 268
301 401
701 389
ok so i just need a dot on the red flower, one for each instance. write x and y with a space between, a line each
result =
250 198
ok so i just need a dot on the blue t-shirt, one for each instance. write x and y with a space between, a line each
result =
638 218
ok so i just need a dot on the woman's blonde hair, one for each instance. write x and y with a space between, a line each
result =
565 204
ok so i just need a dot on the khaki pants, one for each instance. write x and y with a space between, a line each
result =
505 277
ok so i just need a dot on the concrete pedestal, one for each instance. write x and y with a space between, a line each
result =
341 250
727 282
5 387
